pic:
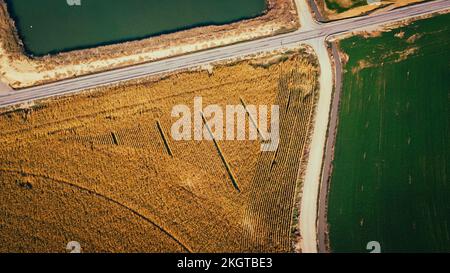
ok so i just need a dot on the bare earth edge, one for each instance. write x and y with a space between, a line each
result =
19 70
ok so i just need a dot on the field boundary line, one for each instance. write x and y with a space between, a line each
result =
222 157
163 136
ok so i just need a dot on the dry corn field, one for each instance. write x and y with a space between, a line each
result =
101 168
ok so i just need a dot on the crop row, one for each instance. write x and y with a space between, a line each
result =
273 190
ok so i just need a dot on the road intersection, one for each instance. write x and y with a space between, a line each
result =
77 84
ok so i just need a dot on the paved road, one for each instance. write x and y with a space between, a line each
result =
213 55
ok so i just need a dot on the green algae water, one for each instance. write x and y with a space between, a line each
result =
52 26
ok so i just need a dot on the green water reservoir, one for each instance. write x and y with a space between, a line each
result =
52 26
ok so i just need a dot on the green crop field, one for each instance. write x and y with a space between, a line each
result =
390 181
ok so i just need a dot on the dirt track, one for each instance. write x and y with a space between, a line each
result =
322 223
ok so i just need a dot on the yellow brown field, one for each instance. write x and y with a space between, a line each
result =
341 9
102 169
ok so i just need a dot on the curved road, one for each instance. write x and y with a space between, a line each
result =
205 57
322 223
